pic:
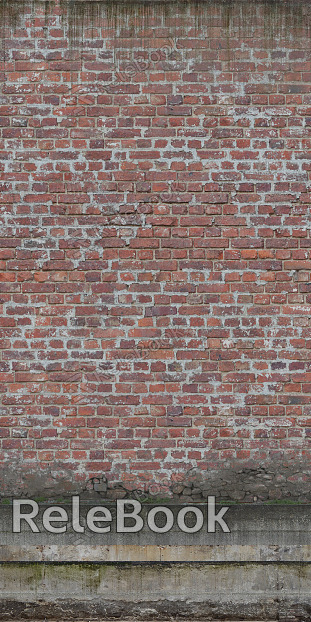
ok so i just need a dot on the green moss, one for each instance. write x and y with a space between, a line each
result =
283 502
156 500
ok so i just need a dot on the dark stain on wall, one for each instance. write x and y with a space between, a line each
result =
280 18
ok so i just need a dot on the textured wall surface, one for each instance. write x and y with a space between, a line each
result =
155 248
206 592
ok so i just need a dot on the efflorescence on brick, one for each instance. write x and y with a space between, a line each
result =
155 249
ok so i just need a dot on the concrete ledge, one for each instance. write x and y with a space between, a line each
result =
255 532
156 553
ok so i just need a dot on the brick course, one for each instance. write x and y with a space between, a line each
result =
155 248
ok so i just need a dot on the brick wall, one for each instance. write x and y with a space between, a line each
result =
155 248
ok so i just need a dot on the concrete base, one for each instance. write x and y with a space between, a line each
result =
249 591
260 570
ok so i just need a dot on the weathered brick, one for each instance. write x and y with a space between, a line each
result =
155 246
